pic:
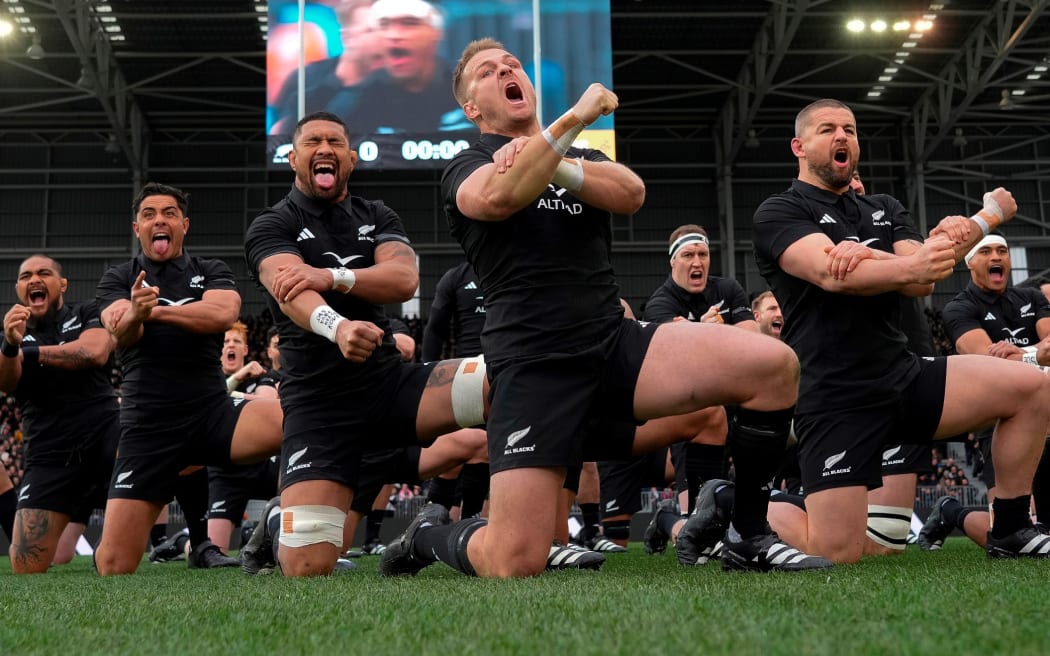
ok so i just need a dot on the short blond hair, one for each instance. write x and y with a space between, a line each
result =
757 303
473 48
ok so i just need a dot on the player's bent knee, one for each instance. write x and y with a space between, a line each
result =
888 527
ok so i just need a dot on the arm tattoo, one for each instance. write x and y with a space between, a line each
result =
78 358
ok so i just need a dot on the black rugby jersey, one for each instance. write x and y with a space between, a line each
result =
1010 316
324 235
169 365
851 348
546 270
58 405
457 315
670 300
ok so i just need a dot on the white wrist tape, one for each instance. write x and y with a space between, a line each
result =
569 174
991 206
468 392
1030 355
981 223
324 321
343 277
231 384
562 143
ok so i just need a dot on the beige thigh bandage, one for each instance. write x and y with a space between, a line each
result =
302 526
468 392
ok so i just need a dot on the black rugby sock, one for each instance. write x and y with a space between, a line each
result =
591 521
192 494
8 504
757 441
442 491
373 524
666 522
447 544
702 463
474 481
1011 515
158 534
273 525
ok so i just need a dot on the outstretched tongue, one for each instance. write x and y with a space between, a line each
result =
161 245
324 180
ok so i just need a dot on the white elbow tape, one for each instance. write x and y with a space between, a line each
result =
324 321
569 174
343 277
302 526
468 392
889 525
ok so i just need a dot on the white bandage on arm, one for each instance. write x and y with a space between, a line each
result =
343 279
468 392
231 384
888 526
569 174
302 526
325 321
1030 355
562 132
990 216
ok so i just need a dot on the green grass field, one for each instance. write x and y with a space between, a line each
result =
953 602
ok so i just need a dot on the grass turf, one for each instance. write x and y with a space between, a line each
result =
954 601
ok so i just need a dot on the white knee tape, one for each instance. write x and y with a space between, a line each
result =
302 526
888 526
468 392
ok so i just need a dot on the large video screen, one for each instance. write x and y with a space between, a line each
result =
385 66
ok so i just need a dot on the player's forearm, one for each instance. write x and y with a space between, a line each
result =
202 317
612 187
127 331
72 356
301 307
878 276
391 281
513 190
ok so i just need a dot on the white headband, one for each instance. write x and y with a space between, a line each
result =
987 241
688 238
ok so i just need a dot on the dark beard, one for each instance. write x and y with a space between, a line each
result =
830 176
49 319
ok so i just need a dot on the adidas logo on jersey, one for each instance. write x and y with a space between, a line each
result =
305 234
989 317
29 338
471 285
827 219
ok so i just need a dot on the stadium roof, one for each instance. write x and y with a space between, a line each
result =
723 70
